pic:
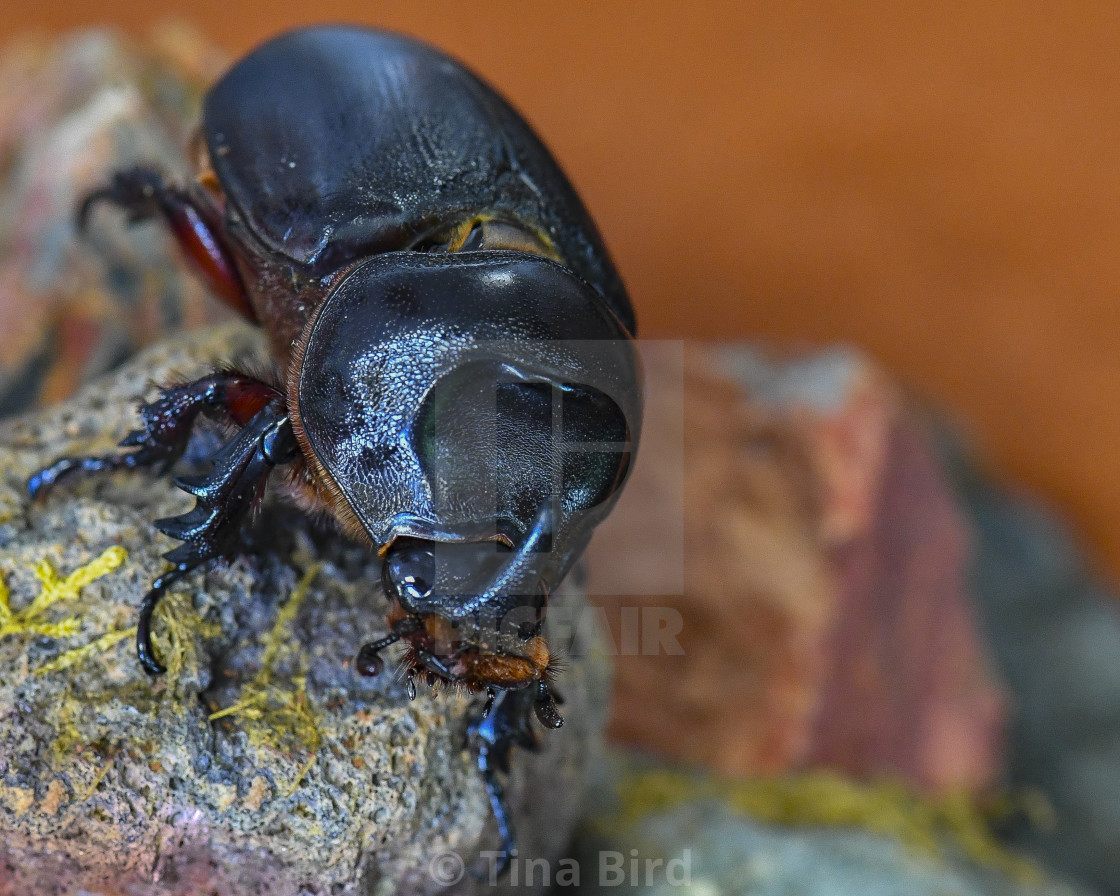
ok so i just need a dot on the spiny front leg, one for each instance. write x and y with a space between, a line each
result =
225 496
166 425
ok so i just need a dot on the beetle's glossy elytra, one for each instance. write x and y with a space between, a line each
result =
459 388
324 158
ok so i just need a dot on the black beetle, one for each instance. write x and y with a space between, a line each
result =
459 385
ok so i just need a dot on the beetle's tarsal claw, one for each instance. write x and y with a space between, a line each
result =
43 481
85 208
137 190
144 649
410 687
47 478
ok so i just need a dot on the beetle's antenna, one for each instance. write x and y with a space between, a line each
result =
369 661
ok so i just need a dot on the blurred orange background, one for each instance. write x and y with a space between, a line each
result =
939 187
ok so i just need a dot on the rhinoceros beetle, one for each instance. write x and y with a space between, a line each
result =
458 387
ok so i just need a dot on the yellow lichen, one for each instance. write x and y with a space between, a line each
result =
70 743
66 710
225 796
17 799
98 778
279 716
70 657
173 636
828 799
54 590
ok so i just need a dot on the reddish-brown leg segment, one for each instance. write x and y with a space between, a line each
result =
143 193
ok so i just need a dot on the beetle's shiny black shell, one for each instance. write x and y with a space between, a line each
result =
396 395
335 143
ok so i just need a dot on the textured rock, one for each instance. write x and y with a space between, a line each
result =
824 617
823 607
73 111
682 839
312 781
1056 634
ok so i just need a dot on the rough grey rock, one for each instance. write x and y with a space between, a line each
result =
319 782
706 848
1055 632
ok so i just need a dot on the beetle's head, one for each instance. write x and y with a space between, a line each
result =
474 415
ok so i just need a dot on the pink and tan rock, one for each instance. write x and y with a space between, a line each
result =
73 111
824 608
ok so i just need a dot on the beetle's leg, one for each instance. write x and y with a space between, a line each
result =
144 649
144 194
432 664
502 724
225 497
491 696
544 706
166 425
491 742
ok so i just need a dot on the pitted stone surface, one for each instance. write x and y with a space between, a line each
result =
314 781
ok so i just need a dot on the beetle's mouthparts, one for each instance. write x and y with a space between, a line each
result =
471 612
483 585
